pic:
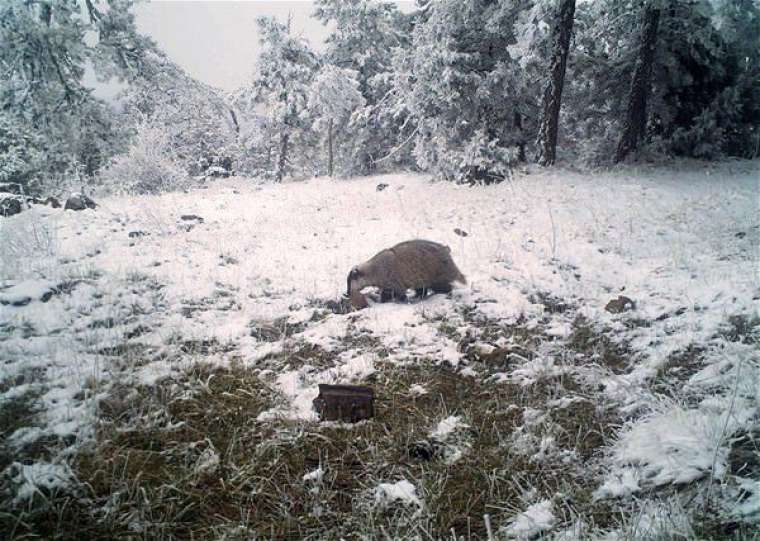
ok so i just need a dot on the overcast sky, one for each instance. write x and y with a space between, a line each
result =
216 41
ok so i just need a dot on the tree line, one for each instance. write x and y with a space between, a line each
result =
463 89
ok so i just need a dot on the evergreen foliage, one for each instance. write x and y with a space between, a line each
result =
458 84
461 89
280 88
196 118
334 96
45 48
366 36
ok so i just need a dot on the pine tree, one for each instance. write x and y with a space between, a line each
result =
334 96
367 32
284 72
460 87
552 101
44 48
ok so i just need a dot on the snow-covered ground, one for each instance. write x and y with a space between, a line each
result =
91 298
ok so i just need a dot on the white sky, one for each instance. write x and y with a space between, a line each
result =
216 41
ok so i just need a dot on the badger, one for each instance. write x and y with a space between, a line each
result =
421 265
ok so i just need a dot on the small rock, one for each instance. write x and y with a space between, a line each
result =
53 202
191 218
422 450
460 232
136 234
9 205
79 201
740 235
381 186
620 305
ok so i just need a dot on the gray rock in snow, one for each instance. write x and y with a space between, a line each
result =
10 204
79 201
620 305
53 202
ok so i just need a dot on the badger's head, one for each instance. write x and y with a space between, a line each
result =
356 281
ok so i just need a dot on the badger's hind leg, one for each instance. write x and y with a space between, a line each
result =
441 288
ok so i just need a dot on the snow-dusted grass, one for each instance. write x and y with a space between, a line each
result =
518 383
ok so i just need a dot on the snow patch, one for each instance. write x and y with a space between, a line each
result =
535 519
402 491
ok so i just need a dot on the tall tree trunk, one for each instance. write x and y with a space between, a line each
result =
547 135
636 115
282 159
330 147
521 141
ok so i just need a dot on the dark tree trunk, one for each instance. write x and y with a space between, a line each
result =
636 114
282 159
330 147
547 135
235 121
521 141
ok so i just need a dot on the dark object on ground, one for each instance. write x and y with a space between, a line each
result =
342 306
347 403
53 202
740 235
79 201
423 450
744 458
381 186
136 234
421 265
620 305
191 218
460 232
43 295
216 172
215 166
9 204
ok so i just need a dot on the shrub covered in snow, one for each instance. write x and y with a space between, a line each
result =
20 154
149 166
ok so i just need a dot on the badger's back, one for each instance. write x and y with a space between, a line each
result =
413 264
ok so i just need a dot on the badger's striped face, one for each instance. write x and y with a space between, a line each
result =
355 281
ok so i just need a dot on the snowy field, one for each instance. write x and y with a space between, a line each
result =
108 305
